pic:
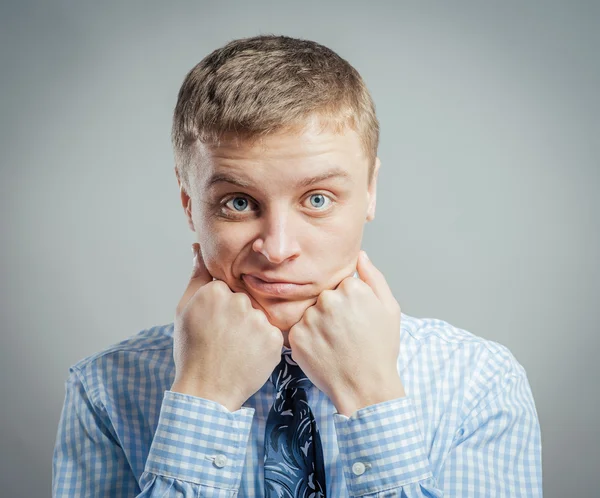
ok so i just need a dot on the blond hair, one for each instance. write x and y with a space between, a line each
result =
259 85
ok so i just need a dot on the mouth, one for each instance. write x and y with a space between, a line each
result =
278 289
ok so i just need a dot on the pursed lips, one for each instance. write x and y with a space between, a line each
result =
275 288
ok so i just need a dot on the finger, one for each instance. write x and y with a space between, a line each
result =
200 277
369 274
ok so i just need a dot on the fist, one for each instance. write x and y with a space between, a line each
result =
348 343
224 349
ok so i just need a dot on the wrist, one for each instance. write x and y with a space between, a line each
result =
349 402
192 389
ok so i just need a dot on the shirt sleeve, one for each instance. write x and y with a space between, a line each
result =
201 443
496 451
198 450
383 452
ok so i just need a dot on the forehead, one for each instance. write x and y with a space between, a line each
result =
286 156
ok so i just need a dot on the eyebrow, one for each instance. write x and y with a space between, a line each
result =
337 173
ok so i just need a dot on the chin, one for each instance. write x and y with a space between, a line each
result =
285 314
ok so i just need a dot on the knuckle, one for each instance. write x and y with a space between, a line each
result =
242 300
299 333
352 285
299 340
270 335
310 314
293 338
277 336
326 297
259 317
219 287
329 298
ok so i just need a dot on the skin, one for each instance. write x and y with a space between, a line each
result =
343 331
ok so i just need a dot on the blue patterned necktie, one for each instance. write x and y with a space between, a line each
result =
294 465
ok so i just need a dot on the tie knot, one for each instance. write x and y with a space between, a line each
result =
288 375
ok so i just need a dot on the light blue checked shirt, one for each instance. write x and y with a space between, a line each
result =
467 427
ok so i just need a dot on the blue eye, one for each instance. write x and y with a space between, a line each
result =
318 200
239 203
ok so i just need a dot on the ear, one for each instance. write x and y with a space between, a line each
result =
186 202
372 191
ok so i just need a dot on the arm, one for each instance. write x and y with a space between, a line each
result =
183 459
496 451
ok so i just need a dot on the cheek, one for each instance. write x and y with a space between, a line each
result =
221 246
348 227
334 248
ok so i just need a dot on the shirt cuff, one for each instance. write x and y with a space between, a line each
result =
381 447
200 441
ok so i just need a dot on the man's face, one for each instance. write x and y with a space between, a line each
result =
260 210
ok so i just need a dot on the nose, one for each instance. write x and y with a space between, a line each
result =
278 239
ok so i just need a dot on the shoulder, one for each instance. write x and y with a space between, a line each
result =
455 360
158 338
442 337
147 353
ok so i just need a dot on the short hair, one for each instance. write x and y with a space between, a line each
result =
263 84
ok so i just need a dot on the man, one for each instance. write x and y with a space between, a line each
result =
275 144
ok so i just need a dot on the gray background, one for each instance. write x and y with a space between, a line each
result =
487 212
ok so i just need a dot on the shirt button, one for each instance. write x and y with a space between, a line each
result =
358 468
220 460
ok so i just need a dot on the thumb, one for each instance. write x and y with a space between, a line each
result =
369 274
200 277
199 271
